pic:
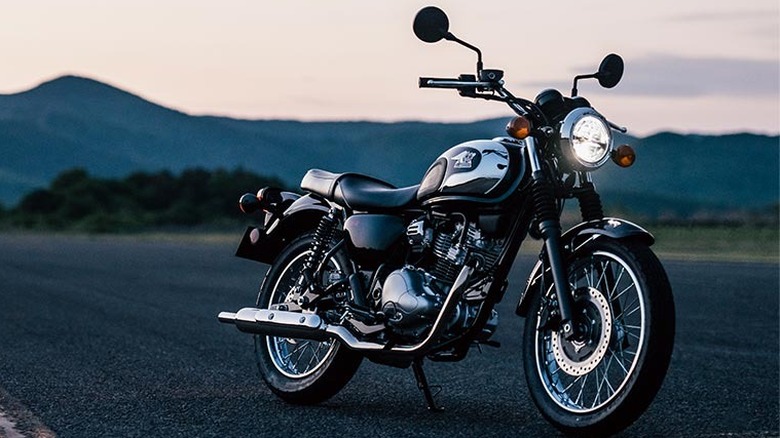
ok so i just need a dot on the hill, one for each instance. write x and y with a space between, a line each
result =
78 122
697 175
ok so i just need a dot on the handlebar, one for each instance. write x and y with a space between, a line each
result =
469 86
453 83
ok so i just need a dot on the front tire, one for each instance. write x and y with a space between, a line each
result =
603 381
301 371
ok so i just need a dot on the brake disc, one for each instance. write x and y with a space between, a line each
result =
581 356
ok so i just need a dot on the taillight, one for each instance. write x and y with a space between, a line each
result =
266 199
249 203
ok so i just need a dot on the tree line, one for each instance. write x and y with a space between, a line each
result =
76 200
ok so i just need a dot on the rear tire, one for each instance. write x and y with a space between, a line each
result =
301 371
600 384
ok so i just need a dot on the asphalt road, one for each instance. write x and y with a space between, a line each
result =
112 337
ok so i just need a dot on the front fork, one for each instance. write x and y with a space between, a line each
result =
547 216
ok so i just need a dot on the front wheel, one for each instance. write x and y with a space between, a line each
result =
301 371
603 380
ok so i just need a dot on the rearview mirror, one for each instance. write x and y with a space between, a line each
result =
431 24
610 71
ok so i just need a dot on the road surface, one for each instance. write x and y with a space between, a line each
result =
114 337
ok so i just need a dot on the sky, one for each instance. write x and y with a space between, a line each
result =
692 66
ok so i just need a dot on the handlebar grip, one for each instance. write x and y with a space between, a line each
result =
439 83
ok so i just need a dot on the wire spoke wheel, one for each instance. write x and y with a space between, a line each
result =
602 379
302 371
297 358
585 374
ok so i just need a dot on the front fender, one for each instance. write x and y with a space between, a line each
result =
263 244
575 238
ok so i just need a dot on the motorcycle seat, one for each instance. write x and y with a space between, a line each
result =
358 192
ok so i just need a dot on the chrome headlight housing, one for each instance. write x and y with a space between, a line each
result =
585 139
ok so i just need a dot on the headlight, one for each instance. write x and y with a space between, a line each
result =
585 139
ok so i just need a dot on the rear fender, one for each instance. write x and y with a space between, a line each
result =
575 238
263 244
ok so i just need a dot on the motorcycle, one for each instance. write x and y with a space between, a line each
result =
362 269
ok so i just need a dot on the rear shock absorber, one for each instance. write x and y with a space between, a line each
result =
323 235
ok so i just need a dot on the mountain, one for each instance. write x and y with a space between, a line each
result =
79 122
690 174
73 121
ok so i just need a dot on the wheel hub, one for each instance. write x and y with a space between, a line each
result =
593 320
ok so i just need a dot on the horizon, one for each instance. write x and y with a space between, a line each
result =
707 67
153 101
77 122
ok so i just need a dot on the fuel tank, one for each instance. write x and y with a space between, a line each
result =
480 171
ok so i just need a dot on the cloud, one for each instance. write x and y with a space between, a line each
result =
677 76
674 76
730 15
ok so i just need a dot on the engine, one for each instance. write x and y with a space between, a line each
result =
465 241
411 297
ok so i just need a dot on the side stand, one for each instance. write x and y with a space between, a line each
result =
422 384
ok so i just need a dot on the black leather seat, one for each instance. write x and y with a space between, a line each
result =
358 192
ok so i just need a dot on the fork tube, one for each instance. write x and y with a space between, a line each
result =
550 228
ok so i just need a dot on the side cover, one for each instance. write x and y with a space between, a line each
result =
371 236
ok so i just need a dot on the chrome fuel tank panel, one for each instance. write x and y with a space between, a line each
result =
479 170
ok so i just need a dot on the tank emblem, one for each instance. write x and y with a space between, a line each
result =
464 160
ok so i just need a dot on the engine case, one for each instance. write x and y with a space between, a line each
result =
410 301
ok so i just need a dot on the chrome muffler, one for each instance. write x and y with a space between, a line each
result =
285 324
277 323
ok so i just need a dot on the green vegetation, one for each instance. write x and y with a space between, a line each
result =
77 201
199 204
734 243
698 242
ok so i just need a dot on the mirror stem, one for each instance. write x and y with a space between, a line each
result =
450 37
577 78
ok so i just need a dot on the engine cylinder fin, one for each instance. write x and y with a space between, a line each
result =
445 269
451 256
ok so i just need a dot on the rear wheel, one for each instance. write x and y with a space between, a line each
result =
301 371
603 380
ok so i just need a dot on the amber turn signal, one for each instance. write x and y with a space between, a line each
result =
624 156
519 127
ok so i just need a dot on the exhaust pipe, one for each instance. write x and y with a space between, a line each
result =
287 324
